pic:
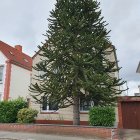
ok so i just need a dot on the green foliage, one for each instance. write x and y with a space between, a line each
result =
26 115
9 110
102 116
75 57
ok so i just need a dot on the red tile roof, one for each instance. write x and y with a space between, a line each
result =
15 56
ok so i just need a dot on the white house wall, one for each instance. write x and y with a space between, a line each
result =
2 62
65 113
20 81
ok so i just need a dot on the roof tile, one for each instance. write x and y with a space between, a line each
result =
15 56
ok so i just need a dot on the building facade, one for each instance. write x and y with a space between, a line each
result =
48 113
15 72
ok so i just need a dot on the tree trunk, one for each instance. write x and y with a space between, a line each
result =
76 111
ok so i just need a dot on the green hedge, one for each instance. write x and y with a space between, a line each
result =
9 110
27 115
102 116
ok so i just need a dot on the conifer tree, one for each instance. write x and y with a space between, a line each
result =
75 60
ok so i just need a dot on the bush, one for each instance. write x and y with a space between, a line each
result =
9 110
26 115
102 116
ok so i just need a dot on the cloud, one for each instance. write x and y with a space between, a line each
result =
123 18
23 22
133 88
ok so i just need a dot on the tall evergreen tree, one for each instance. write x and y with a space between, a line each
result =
75 60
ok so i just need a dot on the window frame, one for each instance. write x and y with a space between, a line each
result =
1 79
47 107
91 105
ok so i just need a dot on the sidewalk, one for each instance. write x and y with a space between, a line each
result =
5 135
129 134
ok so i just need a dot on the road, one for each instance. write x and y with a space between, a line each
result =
129 134
4 135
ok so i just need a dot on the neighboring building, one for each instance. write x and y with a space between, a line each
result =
15 72
138 71
48 113
138 68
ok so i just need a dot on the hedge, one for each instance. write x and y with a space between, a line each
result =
9 110
102 116
27 115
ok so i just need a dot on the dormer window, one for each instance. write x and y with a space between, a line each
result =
11 53
26 60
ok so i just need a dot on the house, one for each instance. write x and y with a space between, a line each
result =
48 113
15 72
138 68
138 71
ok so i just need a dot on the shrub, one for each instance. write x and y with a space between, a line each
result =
9 110
102 116
26 115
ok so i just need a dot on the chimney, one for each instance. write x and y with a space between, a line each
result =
19 48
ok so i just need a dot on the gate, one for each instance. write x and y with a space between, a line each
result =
130 114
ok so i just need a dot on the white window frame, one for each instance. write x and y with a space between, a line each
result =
47 108
91 105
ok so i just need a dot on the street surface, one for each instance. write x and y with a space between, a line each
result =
129 134
4 135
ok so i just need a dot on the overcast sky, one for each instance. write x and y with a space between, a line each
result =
24 21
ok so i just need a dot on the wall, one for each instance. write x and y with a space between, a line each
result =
128 99
20 81
2 62
85 132
61 114
112 57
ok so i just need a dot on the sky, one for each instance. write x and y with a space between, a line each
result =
23 22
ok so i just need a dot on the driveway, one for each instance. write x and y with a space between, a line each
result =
4 135
129 134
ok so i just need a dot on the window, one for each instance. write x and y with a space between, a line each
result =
11 53
86 105
1 73
41 75
25 60
48 105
